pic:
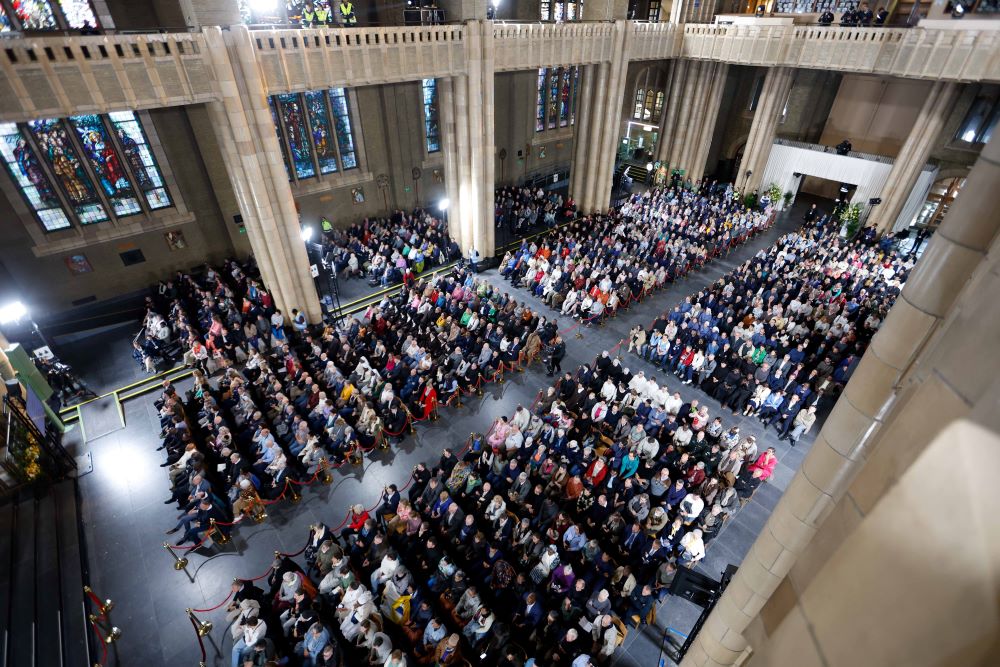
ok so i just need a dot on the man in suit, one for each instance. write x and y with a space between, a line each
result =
197 523
529 615
634 542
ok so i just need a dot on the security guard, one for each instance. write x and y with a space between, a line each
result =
327 225
347 13
308 15
322 14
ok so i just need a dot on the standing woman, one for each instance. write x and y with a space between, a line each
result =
429 401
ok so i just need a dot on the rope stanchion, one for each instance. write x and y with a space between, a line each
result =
101 639
185 548
179 563
201 628
211 609
103 607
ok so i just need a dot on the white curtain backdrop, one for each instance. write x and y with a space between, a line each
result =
868 173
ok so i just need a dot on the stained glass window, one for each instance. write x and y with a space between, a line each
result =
658 106
277 130
342 122
540 102
4 21
140 159
565 98
290 108
27 173
107 167
34 14
640 97
79 14
319 123
576 89
432 129
54 142
553 113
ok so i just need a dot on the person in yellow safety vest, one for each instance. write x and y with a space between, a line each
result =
347 13
327 225
322 14
308 15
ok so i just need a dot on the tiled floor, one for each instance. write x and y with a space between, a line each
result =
125 516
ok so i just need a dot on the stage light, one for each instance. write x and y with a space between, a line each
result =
13 312
443 204
307 233
649 166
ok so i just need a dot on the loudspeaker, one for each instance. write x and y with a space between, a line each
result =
694 586
238 218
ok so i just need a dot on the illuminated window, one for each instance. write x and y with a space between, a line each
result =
48 15
79 14
26 172
978 125
640 100
313 129
432 128
102 165
322 136
104 160
54 142
34 15
555 103
135 146
342 122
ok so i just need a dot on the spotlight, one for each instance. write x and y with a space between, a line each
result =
649 166
443 204
307 233
958 11
13 312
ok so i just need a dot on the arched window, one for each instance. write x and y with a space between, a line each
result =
432 124
315 132
555 102
85 169
640 100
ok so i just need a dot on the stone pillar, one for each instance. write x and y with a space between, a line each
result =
257 171
581 134
777 84
686 11
710 115
611 122
675 97
449 148
464 10
467 116
597 135
914 153
688 124
869 412
604 10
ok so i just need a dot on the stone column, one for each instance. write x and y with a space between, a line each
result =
611 121
864 416
604 10
256 169
765 121
675 97
589 201
467 114
914 153
710 115
464 10
449 147
581 134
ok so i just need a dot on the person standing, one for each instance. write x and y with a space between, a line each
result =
558 353
474 259
347 17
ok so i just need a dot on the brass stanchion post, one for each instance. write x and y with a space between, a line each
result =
179 563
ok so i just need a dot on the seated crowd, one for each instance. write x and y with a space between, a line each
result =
389 250
537 546
522 210
592 267
307 397
784 329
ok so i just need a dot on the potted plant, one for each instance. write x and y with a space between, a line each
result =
850 220
787 198
774 194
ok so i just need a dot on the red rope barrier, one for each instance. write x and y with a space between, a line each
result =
299 552
101 640
98 605
205 611
208 534
201 642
